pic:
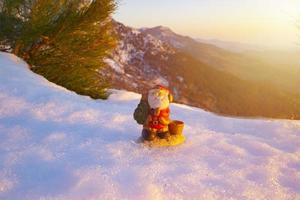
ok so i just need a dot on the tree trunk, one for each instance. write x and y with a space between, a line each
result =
17 48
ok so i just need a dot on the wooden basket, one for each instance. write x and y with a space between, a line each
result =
176 127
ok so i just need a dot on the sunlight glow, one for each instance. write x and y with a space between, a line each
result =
269 22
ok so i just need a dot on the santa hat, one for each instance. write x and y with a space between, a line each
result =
161 87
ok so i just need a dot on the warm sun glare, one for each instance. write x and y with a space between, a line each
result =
267 23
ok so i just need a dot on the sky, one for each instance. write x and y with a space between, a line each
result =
261 22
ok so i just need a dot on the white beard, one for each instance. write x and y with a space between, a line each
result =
155 101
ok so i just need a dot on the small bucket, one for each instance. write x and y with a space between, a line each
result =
176 127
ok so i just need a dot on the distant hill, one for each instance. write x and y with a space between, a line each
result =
247 62
198 74
237 47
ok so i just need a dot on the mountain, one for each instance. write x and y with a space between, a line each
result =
207 53
282 67
146 56
247 62
55 144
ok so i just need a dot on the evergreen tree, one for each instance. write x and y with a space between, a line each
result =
63 40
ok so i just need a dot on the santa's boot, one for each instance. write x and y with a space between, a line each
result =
163 135
148 135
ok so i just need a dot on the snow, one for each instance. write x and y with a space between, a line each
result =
56 145
180 78
136 31
114 65
126 53
158 44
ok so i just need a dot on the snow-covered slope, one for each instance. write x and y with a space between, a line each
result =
57 145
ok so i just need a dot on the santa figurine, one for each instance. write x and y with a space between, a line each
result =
153 112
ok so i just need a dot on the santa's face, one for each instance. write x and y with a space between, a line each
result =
158 98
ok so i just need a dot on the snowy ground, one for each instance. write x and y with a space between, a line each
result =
57 145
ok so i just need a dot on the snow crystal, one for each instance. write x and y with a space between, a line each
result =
56 145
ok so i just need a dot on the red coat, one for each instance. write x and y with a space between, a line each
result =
154 121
